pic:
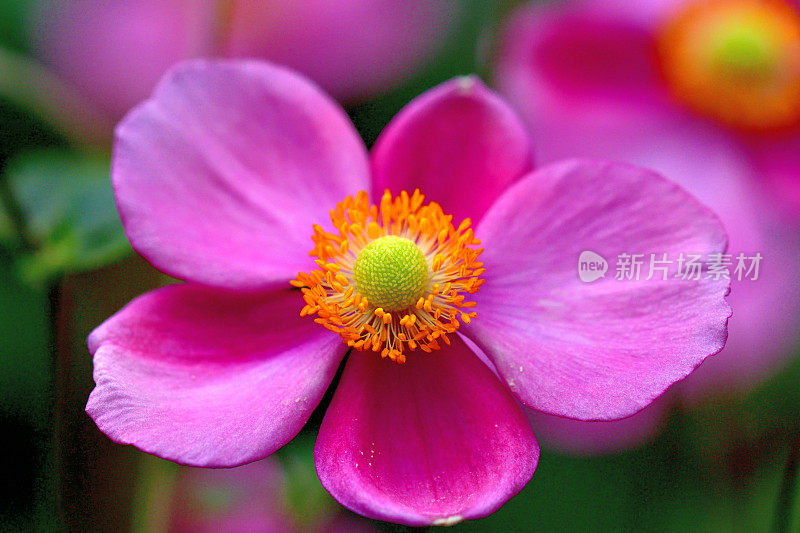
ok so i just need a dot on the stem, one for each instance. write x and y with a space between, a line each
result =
783 510
57 413
32 86
153 495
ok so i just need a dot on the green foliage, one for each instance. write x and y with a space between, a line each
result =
68 210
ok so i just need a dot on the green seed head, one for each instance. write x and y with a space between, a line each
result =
744 50
391 272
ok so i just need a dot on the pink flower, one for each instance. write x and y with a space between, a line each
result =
115 51
249 498
593 79
225 172
241 499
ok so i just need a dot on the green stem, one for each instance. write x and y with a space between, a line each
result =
57 418
153 495
27 83
16 217
786 496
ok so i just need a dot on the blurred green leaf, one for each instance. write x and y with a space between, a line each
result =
69 210
22 130
12 30
6 229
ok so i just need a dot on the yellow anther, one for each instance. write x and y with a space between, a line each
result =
373 230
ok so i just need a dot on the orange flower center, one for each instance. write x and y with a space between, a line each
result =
737 61
395 277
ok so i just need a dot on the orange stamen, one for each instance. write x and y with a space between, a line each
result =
453 269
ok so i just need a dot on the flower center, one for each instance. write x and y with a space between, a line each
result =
737 61
394 277
391 272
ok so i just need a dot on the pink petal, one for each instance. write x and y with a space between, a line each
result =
352 48
458 143
601 350
209 378
221 174
566 59
434 441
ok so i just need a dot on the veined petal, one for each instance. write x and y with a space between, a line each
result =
434 441
459 143
209 378
606 349
221 174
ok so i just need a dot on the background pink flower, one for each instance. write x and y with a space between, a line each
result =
116 50
251 498
247 498
219 178
587 79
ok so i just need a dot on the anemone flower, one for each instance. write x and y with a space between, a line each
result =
226 171
698 91
115 51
